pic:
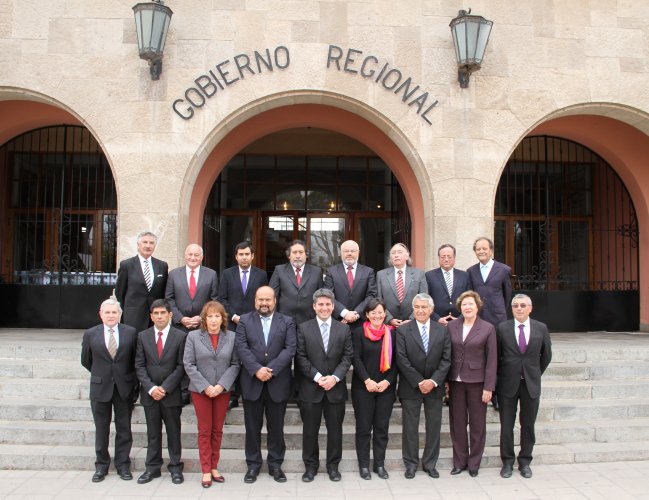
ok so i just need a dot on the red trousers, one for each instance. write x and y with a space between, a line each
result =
210 416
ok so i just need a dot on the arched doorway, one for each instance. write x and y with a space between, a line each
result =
309 184
58 220
567 226
392 150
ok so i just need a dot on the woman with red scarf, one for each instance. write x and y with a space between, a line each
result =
373 387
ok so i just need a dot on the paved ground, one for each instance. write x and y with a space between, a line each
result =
606 481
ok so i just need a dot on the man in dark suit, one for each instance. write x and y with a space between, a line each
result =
423 358
159 367
189 288
446 284
295 283
352 283
237 289
524 352
491 280
141 280
324 355
239 284
265 342
108 353
398 284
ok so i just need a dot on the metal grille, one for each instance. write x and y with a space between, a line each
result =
59 209
564 220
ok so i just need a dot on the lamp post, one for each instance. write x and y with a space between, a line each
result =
470 37
152 23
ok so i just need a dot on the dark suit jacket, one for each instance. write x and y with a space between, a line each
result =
254 354
475 359
445 304
177 293
231 295
311 358
105 372
356 298
415 283
166 372
416 365
367 362
495 292
532 364
292 300
132 293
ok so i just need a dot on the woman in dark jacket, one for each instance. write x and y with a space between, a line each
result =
373 387
471 380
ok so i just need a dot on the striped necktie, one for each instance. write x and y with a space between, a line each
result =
424 337
400 287
449 283
112 343
147 274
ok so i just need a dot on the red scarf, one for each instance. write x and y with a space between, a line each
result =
386 345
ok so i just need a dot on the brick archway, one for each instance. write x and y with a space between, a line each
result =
316 116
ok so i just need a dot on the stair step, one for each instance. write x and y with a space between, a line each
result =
43 457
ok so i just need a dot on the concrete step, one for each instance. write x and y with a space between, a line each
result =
594 389
83 433
43 457
602 370
48 389
38 368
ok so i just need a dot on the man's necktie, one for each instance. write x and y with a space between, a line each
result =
244 282
325 335
297 276
484 271
266 328
350 277
424 338
159 345
112 343
400 288
192 284
449 283
522 344
147 274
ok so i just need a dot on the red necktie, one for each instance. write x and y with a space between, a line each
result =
192 284
400 287
159 344
350 277
297 276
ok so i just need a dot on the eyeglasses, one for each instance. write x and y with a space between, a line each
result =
519 306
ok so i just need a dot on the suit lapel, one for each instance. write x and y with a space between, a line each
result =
442 281
392 282
205 340
305 274
343 276
417 335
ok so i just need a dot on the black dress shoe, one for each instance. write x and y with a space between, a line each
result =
148 476
251 476
410 473
364 472
125 474
457 470
177 478
506 471
525 471
233 403
382 473
433 473
473 473
309 475
278 474
494 403
334 475
98 476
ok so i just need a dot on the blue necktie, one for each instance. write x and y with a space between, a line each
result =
266 327
424 338
244 282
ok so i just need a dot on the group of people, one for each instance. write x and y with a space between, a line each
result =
421 337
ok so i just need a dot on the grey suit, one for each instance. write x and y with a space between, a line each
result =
206 367
177 293
293 300
415 365
414 283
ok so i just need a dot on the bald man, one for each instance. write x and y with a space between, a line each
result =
189 288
